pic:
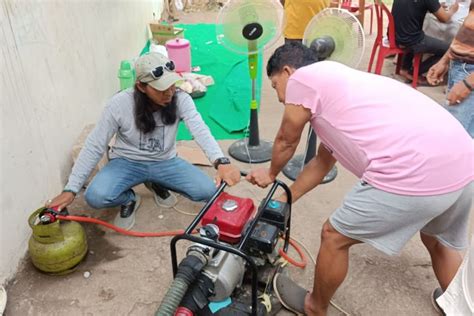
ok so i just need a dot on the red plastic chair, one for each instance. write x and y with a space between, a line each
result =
392 48
354 7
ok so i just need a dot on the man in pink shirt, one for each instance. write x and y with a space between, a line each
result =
414 160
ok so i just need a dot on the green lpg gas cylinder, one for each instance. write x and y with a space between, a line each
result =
56 247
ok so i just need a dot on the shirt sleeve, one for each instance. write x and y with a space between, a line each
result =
94 148
199 130
298 93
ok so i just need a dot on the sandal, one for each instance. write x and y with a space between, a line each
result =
290 294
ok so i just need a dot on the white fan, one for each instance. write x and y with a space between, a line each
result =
247 27
257 21
337 35
337 29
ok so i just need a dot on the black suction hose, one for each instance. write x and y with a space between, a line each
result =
197 297
188 270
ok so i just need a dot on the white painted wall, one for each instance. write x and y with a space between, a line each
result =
58 65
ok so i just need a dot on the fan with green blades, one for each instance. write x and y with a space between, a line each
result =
336 35
248 27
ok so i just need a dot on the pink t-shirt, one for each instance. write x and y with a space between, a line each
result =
385 132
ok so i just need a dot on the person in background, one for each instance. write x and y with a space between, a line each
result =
458 299
169 11
459 59
145 121
415 170
298 14
408 16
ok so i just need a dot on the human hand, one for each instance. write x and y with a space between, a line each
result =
260 177
458 93
436 73
454 7
228 173
61 201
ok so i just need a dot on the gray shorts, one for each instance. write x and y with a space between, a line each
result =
387 221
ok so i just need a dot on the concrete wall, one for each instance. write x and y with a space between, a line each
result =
58 66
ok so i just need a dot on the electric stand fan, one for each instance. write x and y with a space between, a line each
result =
337 35
247 27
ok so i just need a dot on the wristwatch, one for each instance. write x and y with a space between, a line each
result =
221 161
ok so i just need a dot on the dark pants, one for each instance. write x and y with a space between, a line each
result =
429 45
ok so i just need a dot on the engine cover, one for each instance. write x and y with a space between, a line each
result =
276 213
264 237
230 213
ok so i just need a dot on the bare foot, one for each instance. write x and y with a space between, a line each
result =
405 74
423 82
310 308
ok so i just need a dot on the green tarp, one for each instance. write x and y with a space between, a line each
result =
226 106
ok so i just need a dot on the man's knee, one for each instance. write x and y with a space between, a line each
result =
95 198
202 193
331 237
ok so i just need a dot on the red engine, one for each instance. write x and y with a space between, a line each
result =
230 213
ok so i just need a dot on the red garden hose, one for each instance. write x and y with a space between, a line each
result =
301 264
118 229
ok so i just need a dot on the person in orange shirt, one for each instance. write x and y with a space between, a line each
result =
298 14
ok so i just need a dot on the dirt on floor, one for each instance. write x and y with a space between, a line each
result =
129 276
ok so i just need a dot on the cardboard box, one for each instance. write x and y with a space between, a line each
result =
161 33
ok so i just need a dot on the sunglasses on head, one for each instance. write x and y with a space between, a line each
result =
158 71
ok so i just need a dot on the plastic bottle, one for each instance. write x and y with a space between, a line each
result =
126 75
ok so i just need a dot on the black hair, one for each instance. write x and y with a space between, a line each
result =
293 54
144 109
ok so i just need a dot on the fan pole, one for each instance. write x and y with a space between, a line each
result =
295 165
252 149
254 139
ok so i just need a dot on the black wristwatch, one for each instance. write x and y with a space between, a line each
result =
221 161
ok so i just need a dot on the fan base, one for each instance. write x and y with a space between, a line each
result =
241 151
294 166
